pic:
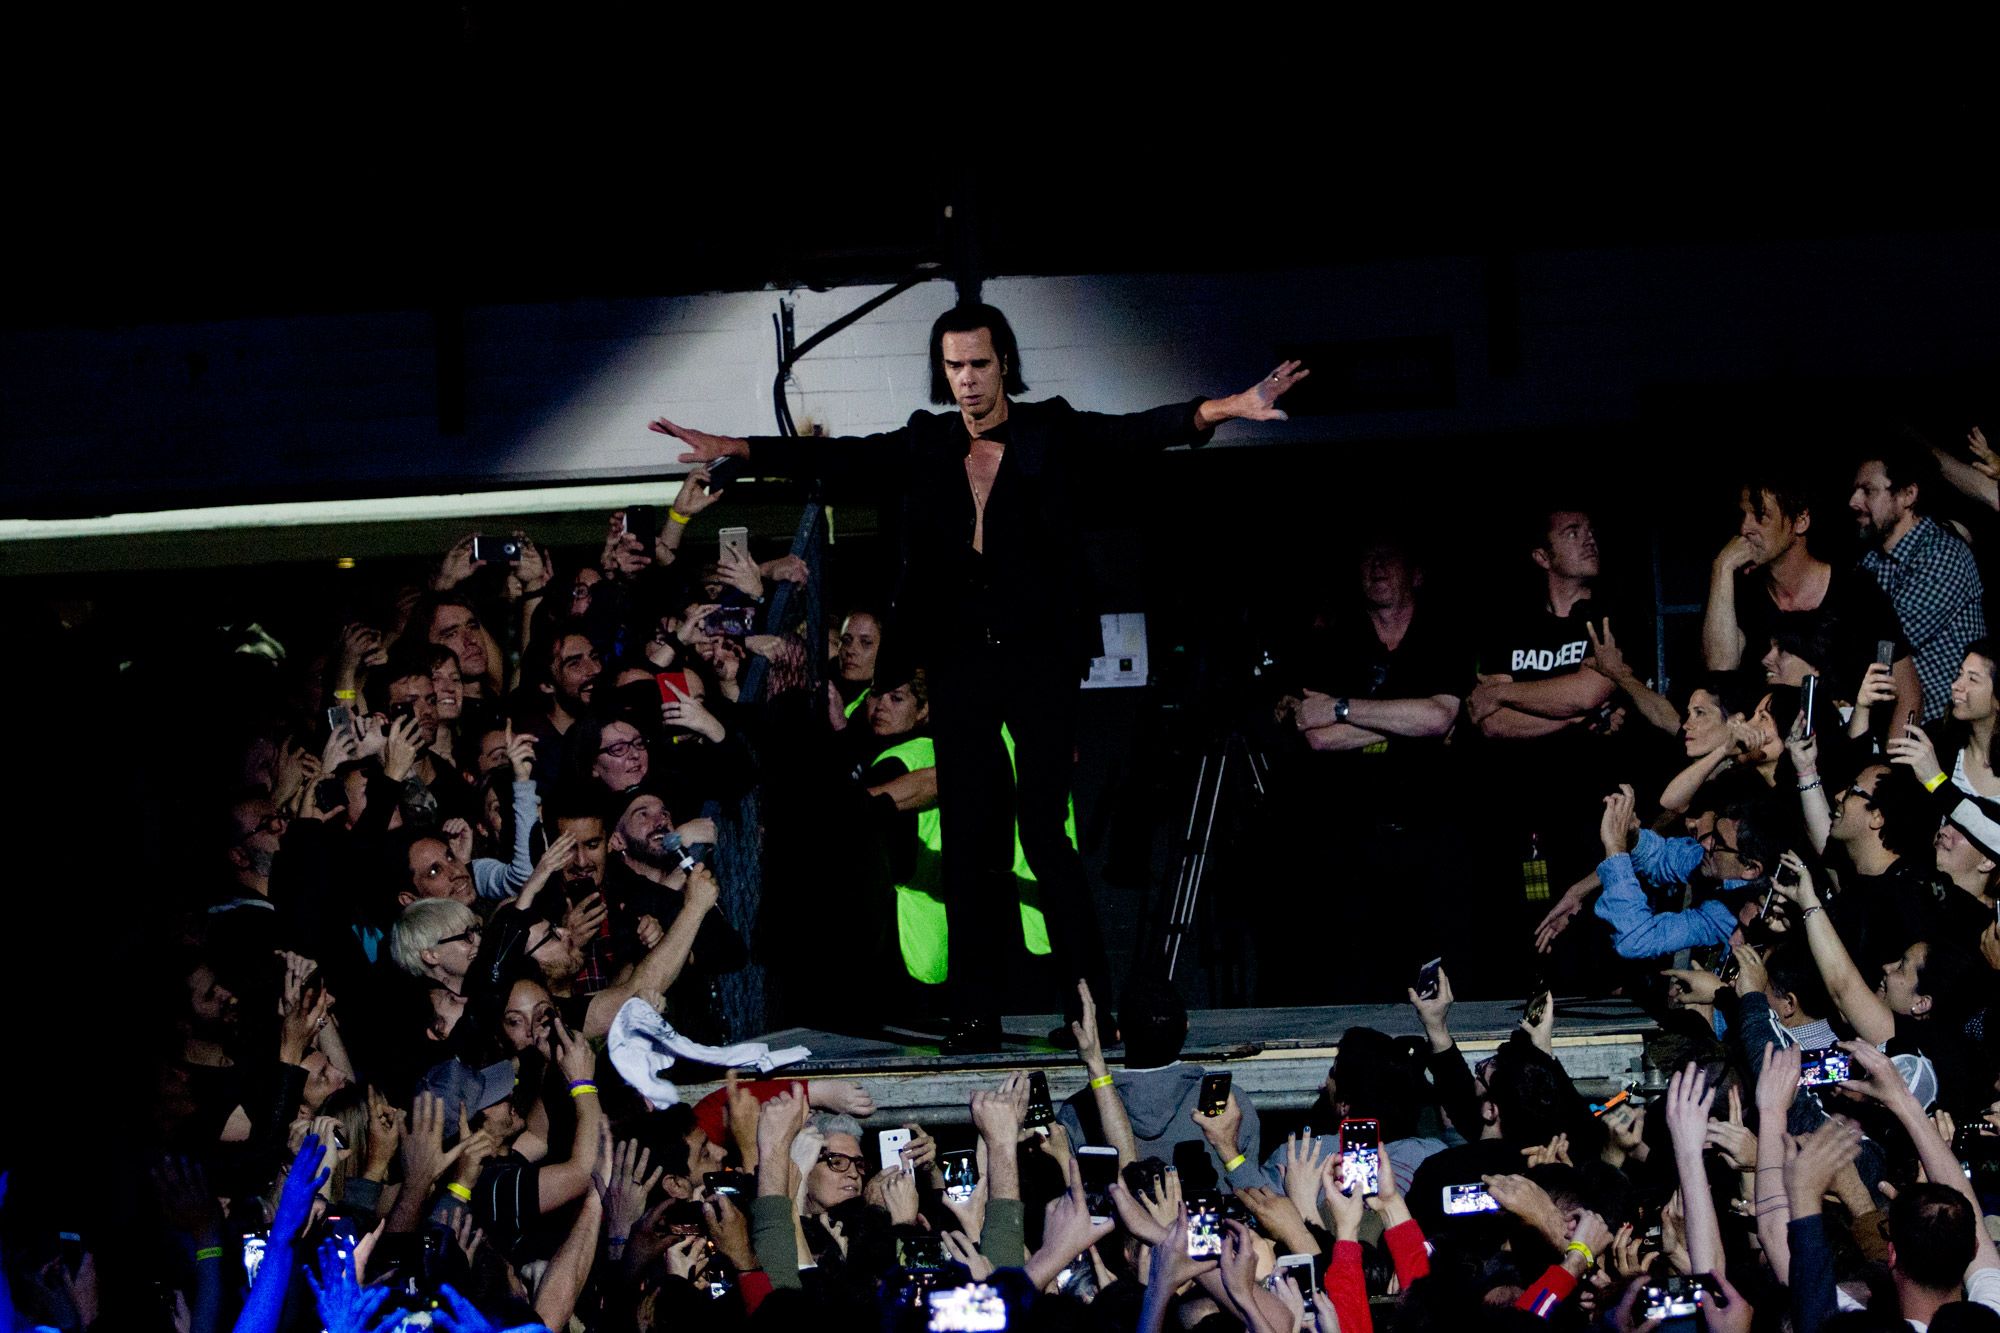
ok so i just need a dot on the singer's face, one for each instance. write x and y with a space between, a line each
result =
973 369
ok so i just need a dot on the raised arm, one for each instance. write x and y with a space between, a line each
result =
662 965
1975 480
1865 1011
569 1179
1722 641
1110 1106
1688 1104
1608 661
1259 402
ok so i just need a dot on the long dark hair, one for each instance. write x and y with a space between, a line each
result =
965 319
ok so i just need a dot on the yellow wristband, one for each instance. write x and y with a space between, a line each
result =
675 516
1589 1259
1932 784
578 1089
348 695
1101 1081
459 1192
1236 1161
207 1252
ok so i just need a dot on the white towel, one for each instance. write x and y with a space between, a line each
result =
644 1046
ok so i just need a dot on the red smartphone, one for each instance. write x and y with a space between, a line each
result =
669 681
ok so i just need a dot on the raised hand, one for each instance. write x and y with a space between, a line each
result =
1555 1151
633 1178
399 749
999 1112
385 1131
1819 1158
965 1251
701 446
698 491
731 1230
1343 1207
1606 658
702 892
458 836
1736 1143
1300 1170
457 565
1088 1046
553 859
1619 822
302 1182
1531 1203
739 571
573 1054
1138 1214
1778 1081
1689 1100
1913 749
1983 456
586 916
686 711
779 1122
345 1306
1794 883
1259 401
1878 686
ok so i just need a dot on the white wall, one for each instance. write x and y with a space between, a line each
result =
341 404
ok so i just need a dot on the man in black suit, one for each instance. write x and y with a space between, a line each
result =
991 599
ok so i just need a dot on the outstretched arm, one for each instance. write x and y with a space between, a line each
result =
1256 403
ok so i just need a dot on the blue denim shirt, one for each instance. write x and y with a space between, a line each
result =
1637 930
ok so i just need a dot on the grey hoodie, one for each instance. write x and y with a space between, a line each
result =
1160 1104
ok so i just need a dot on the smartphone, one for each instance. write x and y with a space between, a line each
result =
482 548
344 1232
890 1143
1361 1156
973 1308
1825 1066
253 1256
1099 1167
338 719
960 1168
1427 979
1214 1097
678 680
1040 1110
1298 1267
731 622
1808 694
1676 1302
643 522
921 1253
736 1184
1536 1007
69 1244
1885 652
1466 1200
736 539
1204 1234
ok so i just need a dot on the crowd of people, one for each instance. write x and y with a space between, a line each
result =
459 927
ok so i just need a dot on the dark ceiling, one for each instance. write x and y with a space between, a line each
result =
477 153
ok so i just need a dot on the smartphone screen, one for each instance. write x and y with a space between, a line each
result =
1204 1235
1214 1094
1466 1200
974 1308
1040 1110
960 1168
1808 694
1099 1167
1427 979
678 680
1825 1066
1361 1156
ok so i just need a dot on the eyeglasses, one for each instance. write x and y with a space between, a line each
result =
619 749
580 591
841 1163
471 934
1713 841
271 823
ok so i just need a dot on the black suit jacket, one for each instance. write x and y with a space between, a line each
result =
1030 587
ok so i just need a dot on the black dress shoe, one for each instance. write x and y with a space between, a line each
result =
972 1036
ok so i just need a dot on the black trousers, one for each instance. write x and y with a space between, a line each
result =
974 690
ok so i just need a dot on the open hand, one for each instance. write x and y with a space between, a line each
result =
1259 401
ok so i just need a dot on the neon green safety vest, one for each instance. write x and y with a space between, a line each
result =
921 925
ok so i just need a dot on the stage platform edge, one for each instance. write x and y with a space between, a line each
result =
1278 1057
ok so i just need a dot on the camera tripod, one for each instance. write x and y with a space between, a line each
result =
1231 760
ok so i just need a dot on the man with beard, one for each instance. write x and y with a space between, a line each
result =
645 882
563 669
1929 574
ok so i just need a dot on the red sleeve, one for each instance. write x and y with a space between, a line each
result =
755 1286
1542 1299
1347 1288
712 1111
1407 1249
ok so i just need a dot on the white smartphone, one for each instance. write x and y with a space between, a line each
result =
891 1143
1099 1167
739 538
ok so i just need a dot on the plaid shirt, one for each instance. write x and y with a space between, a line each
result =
1935 587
